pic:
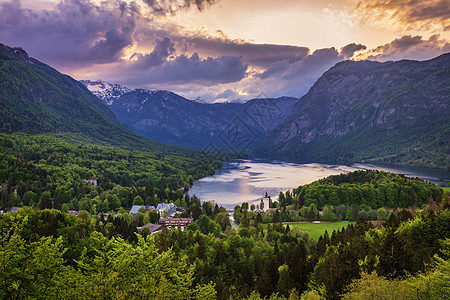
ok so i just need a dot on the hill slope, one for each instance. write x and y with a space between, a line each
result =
59 143
167 117
393 112
35 98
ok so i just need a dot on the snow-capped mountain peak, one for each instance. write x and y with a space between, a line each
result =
107 92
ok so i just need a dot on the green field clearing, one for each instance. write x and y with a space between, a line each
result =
446 189
315 230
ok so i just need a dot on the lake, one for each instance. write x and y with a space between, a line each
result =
248 180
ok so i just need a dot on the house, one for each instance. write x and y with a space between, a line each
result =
135 209
73 212
170 208
154 228
15 208
175 223
92 181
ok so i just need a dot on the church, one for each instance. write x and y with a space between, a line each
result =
266 203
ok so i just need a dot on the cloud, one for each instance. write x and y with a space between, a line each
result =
227 94
170 7
349 50
156 68
142 46
295 79
262 55
75 32
409 47
408 14
206 45
163 49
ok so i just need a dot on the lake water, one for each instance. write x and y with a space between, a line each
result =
248 180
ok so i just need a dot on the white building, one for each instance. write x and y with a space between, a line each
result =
265 203
170 208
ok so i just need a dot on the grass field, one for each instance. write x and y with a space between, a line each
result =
315 230
446 189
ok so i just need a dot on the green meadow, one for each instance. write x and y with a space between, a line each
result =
315 230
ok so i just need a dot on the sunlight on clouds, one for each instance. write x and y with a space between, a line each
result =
220 50
413 16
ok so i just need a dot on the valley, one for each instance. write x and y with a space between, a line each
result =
131 193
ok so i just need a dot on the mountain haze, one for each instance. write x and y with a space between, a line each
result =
392 112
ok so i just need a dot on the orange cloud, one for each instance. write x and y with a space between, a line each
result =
408 47
408 14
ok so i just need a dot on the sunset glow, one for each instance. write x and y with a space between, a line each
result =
206 48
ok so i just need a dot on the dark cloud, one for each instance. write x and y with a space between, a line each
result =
275 68
76 32
184 69
408 13
262 55
163 49
349 50
170 7
409 47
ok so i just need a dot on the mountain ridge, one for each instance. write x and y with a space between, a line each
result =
391 112
168 117
37 99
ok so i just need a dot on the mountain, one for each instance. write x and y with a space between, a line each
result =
392 112
167 117
35 98
107 92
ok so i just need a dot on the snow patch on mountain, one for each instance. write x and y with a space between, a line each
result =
106 91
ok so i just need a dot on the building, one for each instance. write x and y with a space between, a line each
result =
15 208
170 208
73 212
153 228
175 223
266 203
135 209
92 181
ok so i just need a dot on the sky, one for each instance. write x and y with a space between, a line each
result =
221 49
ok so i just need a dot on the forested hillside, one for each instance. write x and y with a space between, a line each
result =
371 188
52 254
360 194
35 98
47 171
63 148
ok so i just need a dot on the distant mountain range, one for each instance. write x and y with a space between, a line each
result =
167 117
392 112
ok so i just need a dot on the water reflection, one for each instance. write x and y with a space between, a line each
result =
248 180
